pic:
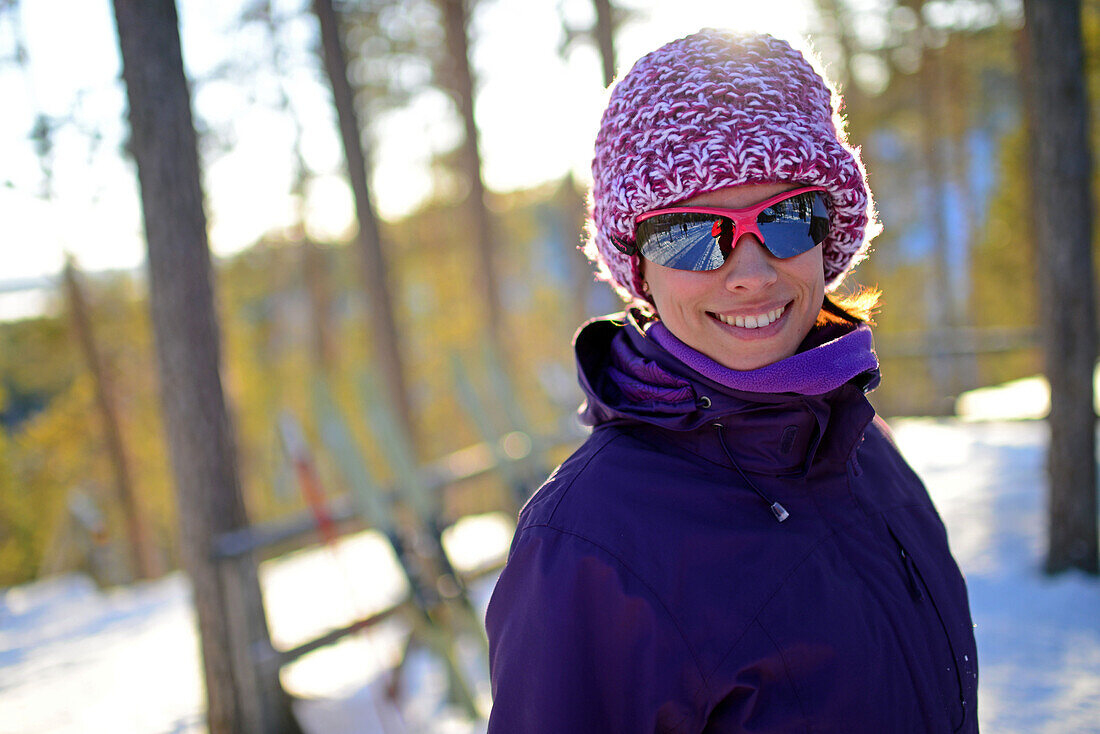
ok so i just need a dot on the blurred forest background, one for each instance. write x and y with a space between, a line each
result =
933 96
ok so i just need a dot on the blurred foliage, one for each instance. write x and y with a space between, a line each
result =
269 368
395 49
939 78
50 435
37 361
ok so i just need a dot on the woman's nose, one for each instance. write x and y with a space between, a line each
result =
749 266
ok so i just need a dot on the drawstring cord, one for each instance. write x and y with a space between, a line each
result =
777 509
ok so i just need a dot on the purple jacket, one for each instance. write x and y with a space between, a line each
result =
651 587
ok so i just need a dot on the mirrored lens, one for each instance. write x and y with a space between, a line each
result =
792 226
682 241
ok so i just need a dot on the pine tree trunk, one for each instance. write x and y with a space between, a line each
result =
242 695
455 22
387 344
957 96
144 563
571 205
941 296
322 339
1063 203
605 32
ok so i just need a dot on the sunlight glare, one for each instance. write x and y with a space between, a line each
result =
538 113
329 208
787 19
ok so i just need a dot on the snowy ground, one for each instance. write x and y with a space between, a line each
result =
73 659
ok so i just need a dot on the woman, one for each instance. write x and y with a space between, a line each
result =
738 546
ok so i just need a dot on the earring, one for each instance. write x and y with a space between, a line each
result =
645 286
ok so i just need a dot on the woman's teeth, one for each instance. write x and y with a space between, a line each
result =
752 322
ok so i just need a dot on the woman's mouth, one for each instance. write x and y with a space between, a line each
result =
752 321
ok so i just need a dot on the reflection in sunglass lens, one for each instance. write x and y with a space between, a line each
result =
681 241
794 225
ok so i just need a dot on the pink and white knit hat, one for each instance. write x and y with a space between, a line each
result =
713 110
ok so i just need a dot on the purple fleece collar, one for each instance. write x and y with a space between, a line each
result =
815 371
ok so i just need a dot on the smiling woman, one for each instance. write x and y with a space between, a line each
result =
738 546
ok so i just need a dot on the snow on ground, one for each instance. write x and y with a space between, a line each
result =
1038 638
1027 397
75 659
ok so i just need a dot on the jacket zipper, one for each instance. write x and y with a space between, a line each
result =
915 584
907 562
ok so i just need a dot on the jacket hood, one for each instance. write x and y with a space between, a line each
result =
638 372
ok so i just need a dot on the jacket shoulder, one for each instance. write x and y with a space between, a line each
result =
568 484
886 469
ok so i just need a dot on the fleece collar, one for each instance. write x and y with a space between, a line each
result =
648 380
816 371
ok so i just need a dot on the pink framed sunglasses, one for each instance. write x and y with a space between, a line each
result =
701 238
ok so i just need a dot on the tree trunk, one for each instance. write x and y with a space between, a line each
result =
243 695
941 297
314 262
144 563
1063 204
387 344
605 32
322 339
571 206
958 95
455 22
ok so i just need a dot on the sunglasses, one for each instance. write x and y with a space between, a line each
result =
701 238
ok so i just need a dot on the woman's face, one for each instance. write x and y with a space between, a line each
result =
702 309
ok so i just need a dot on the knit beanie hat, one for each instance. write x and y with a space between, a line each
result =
713 110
